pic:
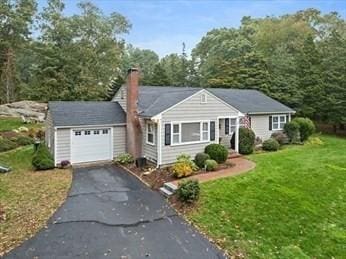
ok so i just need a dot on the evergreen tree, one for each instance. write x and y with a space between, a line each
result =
160 77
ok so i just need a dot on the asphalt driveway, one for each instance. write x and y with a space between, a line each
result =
111 214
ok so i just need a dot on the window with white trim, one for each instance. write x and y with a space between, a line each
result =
150 134
190 132
278 122
176 133
233 125
204 98
87 132
96 132
205 131
105 131
77 133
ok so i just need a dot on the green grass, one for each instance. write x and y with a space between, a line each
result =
8 124
292 205
27 198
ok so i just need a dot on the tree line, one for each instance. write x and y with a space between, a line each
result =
298 59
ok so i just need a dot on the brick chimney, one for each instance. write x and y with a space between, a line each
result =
134 131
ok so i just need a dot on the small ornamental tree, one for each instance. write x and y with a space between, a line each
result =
306 127
42 159
292 130
246 141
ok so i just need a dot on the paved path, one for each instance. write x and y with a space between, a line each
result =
110 214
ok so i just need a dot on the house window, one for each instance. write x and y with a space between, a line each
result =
233 125
105 131
77 133
204 98
96 132
150 134
190 132
176 133
205 131
279 122
87 132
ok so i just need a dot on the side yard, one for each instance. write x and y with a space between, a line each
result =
292 205
27 198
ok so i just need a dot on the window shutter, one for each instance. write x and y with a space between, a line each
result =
270 122
167 134
212 130
226 126
287 118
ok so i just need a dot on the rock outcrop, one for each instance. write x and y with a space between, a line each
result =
28 110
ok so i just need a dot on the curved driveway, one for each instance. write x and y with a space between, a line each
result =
111 214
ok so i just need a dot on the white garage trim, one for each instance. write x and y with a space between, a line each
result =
92 158
89 126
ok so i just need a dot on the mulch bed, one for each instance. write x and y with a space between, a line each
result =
157 177
9 134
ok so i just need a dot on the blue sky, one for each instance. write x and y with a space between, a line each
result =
163 25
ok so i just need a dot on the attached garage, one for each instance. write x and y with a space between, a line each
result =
83 132
92 144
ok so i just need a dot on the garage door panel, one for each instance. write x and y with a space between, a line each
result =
91 145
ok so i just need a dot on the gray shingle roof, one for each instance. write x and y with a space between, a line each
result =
79 113
249 101
155 99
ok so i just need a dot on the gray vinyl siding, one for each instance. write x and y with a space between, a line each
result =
119 140
49 133
63 145
260 126
193 110
149 151
117 97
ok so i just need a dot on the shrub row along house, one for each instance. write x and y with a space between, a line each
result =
158 123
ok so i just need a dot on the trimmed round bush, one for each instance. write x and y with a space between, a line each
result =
280 137
292 130
246 141
6 144
24 141
210 165
271 145
42 159
217 152
200 159
306 127
188 191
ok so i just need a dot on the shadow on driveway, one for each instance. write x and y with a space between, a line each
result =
110 213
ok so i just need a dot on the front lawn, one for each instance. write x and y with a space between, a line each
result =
293 205
8 124
27 198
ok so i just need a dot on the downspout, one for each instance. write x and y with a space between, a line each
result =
159 143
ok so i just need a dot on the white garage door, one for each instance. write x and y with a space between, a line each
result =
89 145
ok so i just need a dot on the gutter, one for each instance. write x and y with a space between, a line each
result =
89 126
265 113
